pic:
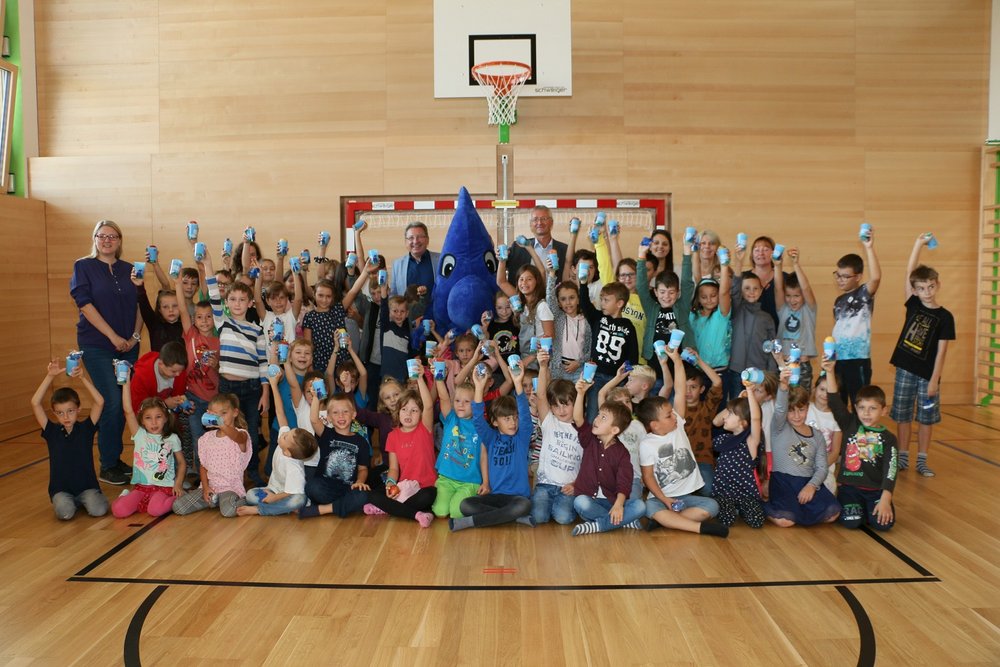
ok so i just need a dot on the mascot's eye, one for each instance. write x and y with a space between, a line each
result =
447 265
490 260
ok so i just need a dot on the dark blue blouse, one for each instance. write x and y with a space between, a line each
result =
111 291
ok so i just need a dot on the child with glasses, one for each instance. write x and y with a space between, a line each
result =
852 319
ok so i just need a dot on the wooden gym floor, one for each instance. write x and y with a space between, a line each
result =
373 591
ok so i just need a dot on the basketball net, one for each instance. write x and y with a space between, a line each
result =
503 80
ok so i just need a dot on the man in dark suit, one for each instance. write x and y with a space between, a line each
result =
541 224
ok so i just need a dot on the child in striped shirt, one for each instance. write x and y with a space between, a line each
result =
242 358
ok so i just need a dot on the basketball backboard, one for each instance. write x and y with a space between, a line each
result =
534 32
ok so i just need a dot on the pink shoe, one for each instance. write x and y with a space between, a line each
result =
425 519
372 510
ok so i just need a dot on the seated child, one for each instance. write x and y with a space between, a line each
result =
224 453
158 468
340 485
72 482
505 447
868 464
410 447
605 471
461 469
797 495
286 488
560 453
668 467
736 489
630 437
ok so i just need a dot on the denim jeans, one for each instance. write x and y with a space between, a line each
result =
598 510
286 505
248 393
710 505
547 501
97 361
194 424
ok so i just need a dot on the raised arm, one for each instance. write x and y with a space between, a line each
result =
297 299
541 399
444 398
800 273
680 380
725 292
427 400
753 440
258 301
279 405
358 285
314 418
602 393
874 269
668 378
36 399
567 271
182 300
133 423
912 263
582 388
502 281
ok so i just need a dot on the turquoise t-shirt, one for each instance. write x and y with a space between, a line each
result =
153 458
713 334
459 456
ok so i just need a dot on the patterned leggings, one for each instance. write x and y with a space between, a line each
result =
751 509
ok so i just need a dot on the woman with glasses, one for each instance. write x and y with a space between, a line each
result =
108 329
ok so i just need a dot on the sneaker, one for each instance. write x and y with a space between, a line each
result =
123 467
114 476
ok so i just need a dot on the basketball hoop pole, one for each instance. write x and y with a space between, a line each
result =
502 80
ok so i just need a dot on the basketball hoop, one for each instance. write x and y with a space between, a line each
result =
503 80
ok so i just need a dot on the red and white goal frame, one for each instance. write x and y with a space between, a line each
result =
387 217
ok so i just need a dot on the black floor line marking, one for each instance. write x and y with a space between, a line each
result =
866 634
34 429
26 465
134 633
121 545
967 453
494 588
971 421
897 552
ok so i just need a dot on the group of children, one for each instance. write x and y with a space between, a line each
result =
586 392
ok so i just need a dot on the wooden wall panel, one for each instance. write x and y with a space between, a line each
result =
79 192
97 77
289 195
25 307
795 119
